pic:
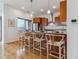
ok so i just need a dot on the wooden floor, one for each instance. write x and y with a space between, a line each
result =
12 51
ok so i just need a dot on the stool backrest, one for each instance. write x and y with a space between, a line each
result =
58 37
54 37
27 33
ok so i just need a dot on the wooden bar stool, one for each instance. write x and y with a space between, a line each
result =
55 41
37 42
21 38
27 39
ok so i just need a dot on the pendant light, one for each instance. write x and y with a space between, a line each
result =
31 9
48 12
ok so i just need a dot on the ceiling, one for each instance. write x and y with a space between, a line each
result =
36 5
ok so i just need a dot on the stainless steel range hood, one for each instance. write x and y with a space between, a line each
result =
55 26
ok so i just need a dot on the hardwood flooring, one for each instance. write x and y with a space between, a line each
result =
15 51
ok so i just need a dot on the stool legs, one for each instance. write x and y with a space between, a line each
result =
33 46
64 52
47 52
60 52
29 45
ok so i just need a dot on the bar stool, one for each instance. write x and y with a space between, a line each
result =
27 38
52 42
20 39
21 43
38 38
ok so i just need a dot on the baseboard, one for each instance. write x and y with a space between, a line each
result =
11 42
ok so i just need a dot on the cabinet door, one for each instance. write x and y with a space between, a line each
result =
36 20
57 19
63 11
44 21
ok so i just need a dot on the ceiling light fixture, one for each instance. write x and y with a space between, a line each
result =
48 12
31 15
32 12
41 10
31 9
54 7
23 8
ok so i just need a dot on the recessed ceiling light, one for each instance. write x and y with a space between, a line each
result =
23 8
54 7
31 15
32 12
48 11
41 10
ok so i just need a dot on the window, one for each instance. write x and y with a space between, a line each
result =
35 27
30 25
27 25
21 23
24 24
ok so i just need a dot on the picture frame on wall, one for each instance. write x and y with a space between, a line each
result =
11 23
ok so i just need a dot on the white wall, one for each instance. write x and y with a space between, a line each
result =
0 29
10 33
72 29
1 7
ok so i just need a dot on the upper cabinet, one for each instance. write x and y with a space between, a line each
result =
40 20
63 11
44 20
36 20
57 19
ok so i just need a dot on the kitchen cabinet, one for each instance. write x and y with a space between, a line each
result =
40 20
44 20
57 19
37 20
63 13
